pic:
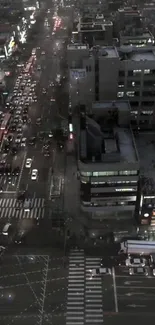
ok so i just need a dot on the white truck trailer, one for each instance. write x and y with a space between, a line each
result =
137 247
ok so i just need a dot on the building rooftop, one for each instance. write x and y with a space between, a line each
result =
77 46
106 136
91 27
129 52
135 33
108 51
149 56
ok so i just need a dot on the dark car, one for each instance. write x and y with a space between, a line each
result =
12 127
16 171
21 196
6 148
41 135
25 118
46 153
25 111
32 140
10 138
1 171
7 170
14 150
19 238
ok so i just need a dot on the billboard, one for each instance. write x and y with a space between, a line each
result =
78 73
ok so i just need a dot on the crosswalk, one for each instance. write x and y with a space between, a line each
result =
84 296
12 208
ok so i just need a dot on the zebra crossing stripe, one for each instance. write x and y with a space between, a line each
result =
11 208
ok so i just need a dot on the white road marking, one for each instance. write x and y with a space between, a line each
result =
23 164
115 290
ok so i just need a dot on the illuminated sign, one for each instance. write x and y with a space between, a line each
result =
78 73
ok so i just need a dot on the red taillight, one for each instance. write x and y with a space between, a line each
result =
71 136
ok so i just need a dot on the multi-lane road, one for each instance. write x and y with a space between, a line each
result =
42 289
49 184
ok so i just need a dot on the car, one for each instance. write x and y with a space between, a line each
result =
7 229
44 91
25 118
138 271
32 141
34 174
19 129
10 137
9 180
20 237
16 171
14 150
135 261
101 270
6 148
12 127
35 99
28 163
46 153
18 139
38 121
50 135
41 135
52 99
23 142
25 110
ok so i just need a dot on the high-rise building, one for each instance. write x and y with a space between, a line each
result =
107 73
108 162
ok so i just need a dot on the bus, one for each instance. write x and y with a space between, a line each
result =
140 247
5 122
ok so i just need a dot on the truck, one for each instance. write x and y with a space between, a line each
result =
140 247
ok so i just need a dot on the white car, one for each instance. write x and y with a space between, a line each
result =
34 174
135 261
18 139
28 163
138 271
6 229
101 270
23 142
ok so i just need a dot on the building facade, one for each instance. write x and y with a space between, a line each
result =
108 162
108 74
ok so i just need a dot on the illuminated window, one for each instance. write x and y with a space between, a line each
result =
137 72
130 93
121 85
134 112
120 94
128 172
86 173
146 71
125 189
147 112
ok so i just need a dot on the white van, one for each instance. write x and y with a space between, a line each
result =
6 228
